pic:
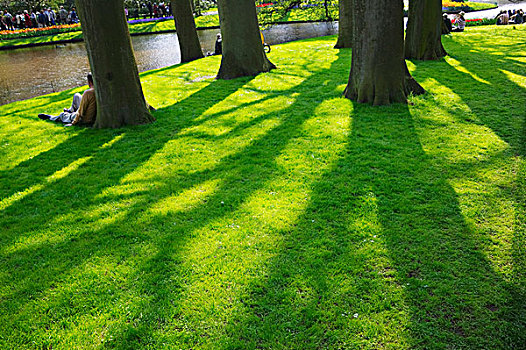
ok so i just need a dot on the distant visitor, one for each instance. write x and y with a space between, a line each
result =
219 45
460 23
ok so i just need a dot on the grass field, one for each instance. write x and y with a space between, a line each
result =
271 213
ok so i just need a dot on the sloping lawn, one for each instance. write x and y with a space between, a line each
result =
271 213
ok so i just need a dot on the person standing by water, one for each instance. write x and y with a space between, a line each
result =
3 25
8 20
34 19
52 16
73 16
219 45
45 11
150 8
62 15
27 20
40 17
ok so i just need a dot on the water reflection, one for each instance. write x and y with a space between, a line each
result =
31 72
26 73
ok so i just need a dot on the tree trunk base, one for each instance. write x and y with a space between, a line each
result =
434 54
122 120
343 45
231 70
379 93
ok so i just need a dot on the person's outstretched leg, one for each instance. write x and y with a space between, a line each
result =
75 105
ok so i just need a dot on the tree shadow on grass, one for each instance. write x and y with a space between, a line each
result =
105 227
502 91
163 275
495 97
34 171
381 257
76 196
52 103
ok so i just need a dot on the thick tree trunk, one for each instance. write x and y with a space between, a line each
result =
423 39
120 100
345 25
243 53
186 30
379 73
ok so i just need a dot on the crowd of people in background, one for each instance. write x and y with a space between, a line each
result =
151 10
459 22
46 16
158 10
510 17
37 18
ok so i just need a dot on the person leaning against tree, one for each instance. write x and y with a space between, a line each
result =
83 110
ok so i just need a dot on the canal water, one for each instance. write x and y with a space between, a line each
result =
26 73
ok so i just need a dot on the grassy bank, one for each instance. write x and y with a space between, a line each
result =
148 27
270 212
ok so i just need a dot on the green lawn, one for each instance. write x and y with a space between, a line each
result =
42 39
271 213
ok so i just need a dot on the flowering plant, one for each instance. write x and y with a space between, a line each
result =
27 32
453 4
478 21
145 20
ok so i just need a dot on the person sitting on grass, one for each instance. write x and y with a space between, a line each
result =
460 22
447 27
83 110
503 18
518 18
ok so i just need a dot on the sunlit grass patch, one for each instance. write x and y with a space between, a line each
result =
271 212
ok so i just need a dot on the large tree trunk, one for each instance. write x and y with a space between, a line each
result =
423 39
186 31
345 25
243 53
120 100
379 73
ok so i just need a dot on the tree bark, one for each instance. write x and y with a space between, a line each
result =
120 99
423 39
345 25
186 30
243 53
379 74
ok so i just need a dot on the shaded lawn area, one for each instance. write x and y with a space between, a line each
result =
270 212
